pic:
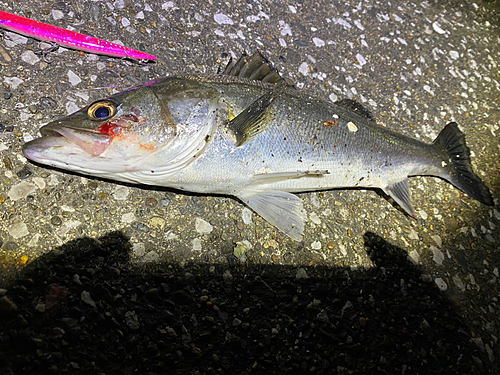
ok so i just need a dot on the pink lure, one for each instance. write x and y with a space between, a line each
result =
71 39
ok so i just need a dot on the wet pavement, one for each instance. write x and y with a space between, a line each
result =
415 65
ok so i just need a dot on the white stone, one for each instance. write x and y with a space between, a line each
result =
316 245
73 78
57 14
196 244
441 284
314 218
438 255
222 19
71 107
202 226
246 215
437 28
29 57
13 82
423 214
18 228
304 68
128 218
139 249
121 193
437 240
21 190
361 59
318 42
414 257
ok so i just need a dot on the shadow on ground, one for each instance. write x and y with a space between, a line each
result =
85 309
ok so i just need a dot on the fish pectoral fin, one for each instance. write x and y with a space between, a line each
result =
400 192
254 119
267 178
281 209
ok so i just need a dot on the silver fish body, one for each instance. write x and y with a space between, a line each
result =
258 141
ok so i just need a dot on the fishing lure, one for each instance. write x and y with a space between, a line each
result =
68 38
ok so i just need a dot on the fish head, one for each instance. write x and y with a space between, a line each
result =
137 132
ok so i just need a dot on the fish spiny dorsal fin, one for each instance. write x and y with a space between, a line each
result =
355 107
255 67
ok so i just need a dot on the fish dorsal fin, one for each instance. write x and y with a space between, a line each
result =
281 209
400 192
255 67
355 107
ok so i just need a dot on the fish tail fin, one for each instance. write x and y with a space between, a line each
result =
456 155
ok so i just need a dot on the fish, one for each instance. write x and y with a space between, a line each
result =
50 33
249 133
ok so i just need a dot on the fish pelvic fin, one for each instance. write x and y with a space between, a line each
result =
281 209
456 155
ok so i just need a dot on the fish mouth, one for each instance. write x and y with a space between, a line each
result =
55 136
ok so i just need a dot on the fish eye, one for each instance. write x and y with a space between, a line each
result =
101 110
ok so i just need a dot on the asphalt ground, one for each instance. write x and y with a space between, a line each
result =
415 65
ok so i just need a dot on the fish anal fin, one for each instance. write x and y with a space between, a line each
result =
400 192
281 209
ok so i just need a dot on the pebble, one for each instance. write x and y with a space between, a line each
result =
128 218
314 218
13 82
323 317
29 57
157 223
139 249
21 190
47 103
316 245
151 202
132 320
56 221
73 78
121 193
441 284
10 246
246 215
301 274
6 305
236 322
203 227
222 19
318 42
151 257
228 277
18 228
87 298
24 172
459 283
438 255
